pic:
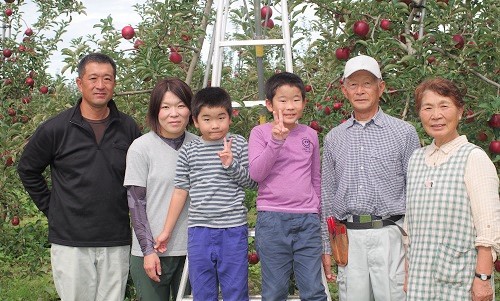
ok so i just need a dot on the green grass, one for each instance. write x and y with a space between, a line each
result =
16 284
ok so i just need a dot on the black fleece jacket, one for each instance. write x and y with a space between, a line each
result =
86 205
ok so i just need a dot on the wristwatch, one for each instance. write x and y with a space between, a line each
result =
483 277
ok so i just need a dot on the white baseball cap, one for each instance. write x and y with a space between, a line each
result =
362 62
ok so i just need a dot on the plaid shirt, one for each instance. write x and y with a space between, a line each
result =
364 168
442 254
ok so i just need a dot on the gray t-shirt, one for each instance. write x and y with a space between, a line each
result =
151 163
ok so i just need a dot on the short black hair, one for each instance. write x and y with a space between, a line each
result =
282 79
211 97
95 57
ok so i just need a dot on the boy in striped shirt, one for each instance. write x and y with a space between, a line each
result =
214 171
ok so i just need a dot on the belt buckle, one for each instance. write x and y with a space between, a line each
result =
365 218
377 224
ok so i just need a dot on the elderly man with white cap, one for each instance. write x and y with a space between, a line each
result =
363 187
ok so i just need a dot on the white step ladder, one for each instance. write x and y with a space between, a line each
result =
181 295
219 43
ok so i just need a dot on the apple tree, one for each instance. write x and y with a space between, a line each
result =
412 40
28 95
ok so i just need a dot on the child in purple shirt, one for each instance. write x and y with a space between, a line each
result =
285 161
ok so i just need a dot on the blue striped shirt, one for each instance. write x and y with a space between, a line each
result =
217 194
364 168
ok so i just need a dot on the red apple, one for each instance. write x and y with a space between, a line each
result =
253 258
266 12
7 52
11 112
185 37
29 81
15 220
327 110
481 136
495 147
497 265
44 89
236 112
128 32
26 100
7 82
494 121
25 119
431 59
308 88
361 28
175 57
8 12
268 23
337 106
138 43
342 54
22 48
9 161
315 125
28 31
458 40
385 24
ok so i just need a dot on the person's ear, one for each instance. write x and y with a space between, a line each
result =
269 105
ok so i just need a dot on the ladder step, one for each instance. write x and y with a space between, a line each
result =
249 103
251 42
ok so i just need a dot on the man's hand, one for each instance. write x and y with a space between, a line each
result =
279 131
226 155
327 266
152 266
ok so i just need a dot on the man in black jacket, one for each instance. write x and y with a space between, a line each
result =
86 205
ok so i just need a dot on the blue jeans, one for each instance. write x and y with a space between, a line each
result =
218 257
286 242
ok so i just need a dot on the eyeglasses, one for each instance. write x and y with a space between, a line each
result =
355 85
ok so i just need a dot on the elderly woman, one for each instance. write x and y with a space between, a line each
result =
453 207
149 178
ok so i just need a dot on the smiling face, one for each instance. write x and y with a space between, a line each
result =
173 116
363 90
213 123
287 99
96 84
440 117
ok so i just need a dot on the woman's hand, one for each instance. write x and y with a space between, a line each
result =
152 266
481 290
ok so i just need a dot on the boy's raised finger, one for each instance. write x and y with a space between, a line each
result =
280 116
276 117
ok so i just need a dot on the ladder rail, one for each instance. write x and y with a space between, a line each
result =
220 41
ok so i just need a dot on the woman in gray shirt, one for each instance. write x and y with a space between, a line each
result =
149 178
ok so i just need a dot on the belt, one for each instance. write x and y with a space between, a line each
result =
362 222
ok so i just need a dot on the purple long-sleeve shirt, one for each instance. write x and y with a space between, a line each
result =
288 172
